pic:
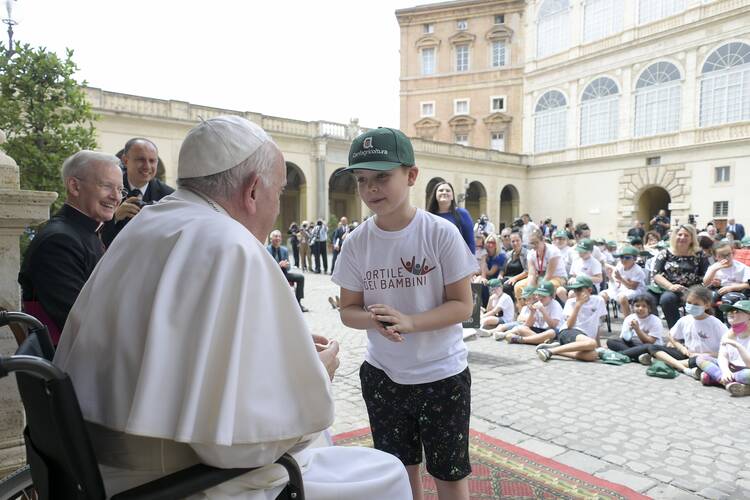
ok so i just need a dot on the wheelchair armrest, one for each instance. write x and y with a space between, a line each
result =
201 477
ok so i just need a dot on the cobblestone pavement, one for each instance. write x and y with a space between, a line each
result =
665 438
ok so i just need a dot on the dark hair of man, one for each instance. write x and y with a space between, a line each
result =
135 140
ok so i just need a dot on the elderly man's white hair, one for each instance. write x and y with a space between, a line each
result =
77 164
275 232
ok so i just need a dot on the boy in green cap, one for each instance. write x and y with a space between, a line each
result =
405 278
627 279
523 303
544 320
585 265
500 308
583 314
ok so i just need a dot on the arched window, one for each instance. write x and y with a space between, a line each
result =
651 10
601 18
549 122
725 85
657 100
599 112
552 27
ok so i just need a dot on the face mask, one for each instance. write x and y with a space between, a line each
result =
739 328
694 310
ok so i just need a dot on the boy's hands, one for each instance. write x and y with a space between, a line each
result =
398 322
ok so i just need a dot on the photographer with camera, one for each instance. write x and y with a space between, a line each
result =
661 223
139 157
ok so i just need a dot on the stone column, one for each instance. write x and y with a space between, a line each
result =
18 209
321 184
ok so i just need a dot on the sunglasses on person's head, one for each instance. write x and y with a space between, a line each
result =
627 257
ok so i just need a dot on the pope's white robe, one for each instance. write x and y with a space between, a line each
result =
187 345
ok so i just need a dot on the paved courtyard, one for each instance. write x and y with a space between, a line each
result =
665 438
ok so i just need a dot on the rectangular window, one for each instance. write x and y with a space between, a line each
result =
497 103
428 28
462 25
497 141
653 161
721 174
462 139
428 60
721 209
498 54
461 107
499 18
427 108
462 57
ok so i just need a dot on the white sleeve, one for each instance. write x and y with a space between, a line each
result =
601 307
745 274
347 275
596 268
456 259
508 309
677 330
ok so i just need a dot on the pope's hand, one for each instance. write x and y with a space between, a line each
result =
127 209
329 356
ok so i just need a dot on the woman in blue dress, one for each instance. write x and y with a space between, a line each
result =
443 203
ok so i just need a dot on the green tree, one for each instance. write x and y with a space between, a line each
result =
44 113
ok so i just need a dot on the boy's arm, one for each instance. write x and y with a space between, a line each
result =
456 308
352 310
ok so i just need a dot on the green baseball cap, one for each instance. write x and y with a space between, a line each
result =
494 283
600 241
628 250
380 149
528 291
560 233
740 305
612 243
662 244
745 242
545 289
636 240
582 281
585 245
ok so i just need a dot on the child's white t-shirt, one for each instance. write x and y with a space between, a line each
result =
650 325
523 314
480 255
699 335
550 252
731 352
554 311
590 267
737 273
566 257
506 306
408 270
635 273
590 315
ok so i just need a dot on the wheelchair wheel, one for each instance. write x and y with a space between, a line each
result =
18 485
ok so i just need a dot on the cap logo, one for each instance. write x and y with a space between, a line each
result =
367 143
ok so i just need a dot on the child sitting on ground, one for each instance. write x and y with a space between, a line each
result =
628 280
640 329
500 308
524 303
544 320
586 265
699 331
731 369
582 316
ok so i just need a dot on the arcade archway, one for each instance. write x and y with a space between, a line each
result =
293 200
476 200
651 200
509 202
343 200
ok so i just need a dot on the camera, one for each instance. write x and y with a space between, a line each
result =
517 223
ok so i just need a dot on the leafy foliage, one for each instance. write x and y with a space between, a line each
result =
44 113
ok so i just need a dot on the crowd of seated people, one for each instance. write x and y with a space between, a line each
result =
684 295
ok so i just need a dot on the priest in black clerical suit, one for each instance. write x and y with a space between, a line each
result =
65 251
140 158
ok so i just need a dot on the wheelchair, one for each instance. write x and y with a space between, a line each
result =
60 457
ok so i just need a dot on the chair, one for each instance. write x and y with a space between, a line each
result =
58 447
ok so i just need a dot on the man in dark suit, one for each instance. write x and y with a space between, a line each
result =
63 254
281 254
337 238
140 158
737 229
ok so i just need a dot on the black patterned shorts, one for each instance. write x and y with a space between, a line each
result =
404 418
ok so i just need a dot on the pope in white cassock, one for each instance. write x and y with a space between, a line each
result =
186 344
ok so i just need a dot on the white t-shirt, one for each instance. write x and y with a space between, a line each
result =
650 325
737 273
635 273
590 315
506 306
554 311
550 252
480 254
732 354
408 270
590 267
566 256
523 315
699 335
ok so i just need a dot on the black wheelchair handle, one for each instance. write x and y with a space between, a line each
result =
8 317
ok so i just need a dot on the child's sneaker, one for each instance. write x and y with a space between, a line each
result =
706 379
548 345
514 339
499 335
543 354
693 372
645 359
482 332
737 389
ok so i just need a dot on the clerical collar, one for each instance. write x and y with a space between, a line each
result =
79 218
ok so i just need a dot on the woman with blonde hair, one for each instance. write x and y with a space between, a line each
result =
676 269
491 267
